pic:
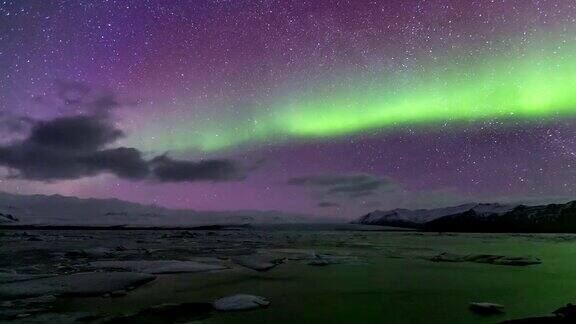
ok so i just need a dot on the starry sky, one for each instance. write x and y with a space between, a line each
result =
320 107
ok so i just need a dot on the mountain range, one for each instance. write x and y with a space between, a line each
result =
45 210
481 217
56 210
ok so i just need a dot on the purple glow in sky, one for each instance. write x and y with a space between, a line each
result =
289 105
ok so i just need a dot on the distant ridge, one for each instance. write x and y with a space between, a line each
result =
229 227
416 218
52 210
7 219
489 218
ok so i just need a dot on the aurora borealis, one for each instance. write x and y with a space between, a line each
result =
428 102
531 89
531 86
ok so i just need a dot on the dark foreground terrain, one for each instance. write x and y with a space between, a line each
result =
290 274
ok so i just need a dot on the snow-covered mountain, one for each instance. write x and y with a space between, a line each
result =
554 218
551 218
60 210
415 218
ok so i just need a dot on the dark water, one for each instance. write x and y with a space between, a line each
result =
379 277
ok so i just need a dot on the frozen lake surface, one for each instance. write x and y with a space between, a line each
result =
307 274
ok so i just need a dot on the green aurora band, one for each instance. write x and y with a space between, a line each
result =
528 85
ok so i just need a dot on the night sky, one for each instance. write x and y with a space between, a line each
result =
318 107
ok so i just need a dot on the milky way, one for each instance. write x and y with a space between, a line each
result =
444 101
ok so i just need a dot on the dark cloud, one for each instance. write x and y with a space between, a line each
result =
328 204
353 186
78 133
168 169
76 147
71 148
123 161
